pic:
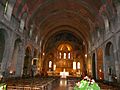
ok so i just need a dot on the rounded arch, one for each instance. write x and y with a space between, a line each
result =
64 31
27 61
64 50
109 49
49 57
3 43
109 62
72 27
15 56
28 51
64 45
100 71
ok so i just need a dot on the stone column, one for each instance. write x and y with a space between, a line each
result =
118 13
20 61
96 64
117 65
7 56
116 57
1 9
104 66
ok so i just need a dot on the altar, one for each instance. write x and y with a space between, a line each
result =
64 74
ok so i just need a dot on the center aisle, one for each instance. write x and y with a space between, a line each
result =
64 85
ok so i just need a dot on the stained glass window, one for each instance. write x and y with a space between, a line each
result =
64 55
6 7
50 64
74 65
60 55
78 65
68 55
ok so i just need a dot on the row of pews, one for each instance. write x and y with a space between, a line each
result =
35 83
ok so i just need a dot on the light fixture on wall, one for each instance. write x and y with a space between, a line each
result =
11 72
85 55
100 70
43 54
38 69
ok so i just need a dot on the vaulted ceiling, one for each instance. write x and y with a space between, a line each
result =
79 17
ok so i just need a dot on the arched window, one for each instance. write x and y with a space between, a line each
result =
64 55
31 31
78 65
22 21
60 55
69 56
106 22
54 67
50 64
74 65
22 24
106 25
6 7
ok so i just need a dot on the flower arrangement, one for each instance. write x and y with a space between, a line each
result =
87 84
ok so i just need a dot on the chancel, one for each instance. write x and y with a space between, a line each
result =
45 42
